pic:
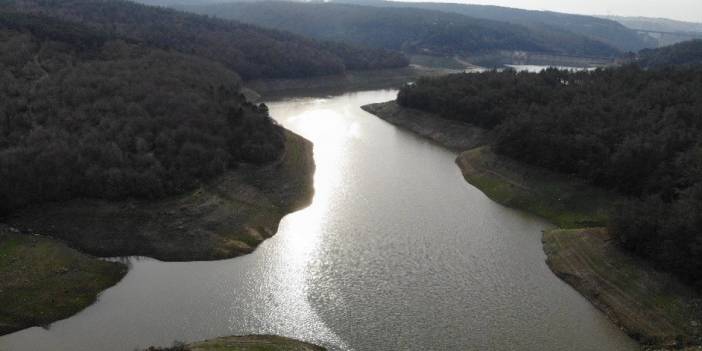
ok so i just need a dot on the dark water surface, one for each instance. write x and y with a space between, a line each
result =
397 252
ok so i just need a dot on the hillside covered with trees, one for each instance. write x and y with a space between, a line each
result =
688 53
411 30
605 30
87 114
633 131
250 51
600 29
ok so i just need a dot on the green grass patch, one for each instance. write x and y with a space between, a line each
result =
43 280
565 201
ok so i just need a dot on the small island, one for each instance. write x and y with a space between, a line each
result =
244 343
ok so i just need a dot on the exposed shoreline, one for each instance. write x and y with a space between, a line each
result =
454 135
570 203
227 217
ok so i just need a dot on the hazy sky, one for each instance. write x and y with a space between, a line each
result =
686 10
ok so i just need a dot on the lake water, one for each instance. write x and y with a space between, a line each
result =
396 252
539 68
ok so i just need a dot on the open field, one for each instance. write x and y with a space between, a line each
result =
43 280
227 217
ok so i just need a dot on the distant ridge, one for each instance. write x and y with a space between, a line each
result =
407 29
251 51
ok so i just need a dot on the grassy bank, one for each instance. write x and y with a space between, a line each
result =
651 306
43 280
565 201
225 218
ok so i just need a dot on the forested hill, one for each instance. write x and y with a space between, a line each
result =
250 51
85 114
604 30
658 24
408 29
637 132
688 53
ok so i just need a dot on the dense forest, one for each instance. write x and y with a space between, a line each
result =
634 131
688 53
411 30
86 114
250 51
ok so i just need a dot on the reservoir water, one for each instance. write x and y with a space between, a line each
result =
396 252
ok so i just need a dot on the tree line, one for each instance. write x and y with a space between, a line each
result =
85 114
687 53
634 131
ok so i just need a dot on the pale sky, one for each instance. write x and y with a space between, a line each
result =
684 10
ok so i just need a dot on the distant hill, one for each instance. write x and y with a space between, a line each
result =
688 53
664 31
604 30
411 30
251 51
657 24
